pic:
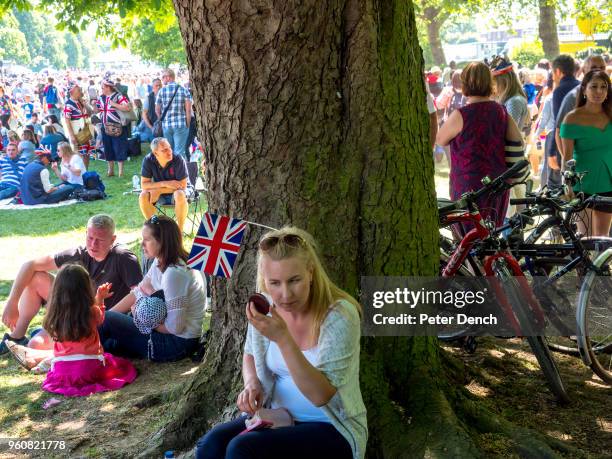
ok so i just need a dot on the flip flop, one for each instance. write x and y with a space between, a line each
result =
19 352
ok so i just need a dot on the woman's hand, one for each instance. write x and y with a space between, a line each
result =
274 328
146 287
251 397
104 292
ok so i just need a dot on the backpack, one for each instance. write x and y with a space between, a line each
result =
51 95
92 181
88 195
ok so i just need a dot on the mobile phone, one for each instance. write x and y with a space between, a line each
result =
260 302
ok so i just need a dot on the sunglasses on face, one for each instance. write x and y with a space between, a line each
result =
292 240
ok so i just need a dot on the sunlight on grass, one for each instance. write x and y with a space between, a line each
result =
108 408
477 389
190 371
71 425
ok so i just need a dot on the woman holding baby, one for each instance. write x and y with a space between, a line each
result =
167 306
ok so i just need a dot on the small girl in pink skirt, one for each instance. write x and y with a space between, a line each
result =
79 366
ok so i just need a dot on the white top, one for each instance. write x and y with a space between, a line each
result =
76 162
44 178
338 360
431 107
184 294
286 394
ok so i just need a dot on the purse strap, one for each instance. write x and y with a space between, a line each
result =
169 103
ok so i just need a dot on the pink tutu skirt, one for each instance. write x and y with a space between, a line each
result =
80 378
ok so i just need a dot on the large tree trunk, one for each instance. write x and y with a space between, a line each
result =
547 29
313 113
434 21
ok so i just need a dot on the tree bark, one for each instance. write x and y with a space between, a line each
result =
434 21
547 29
313 114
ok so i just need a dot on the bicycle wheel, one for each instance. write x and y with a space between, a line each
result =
537 343
559 298
595 317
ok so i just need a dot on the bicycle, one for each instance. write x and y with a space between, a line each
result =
512 288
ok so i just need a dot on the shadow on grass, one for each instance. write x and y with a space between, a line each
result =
43 222
507 378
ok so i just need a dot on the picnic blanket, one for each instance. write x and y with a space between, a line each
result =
5 205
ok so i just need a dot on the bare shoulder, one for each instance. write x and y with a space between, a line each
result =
575 116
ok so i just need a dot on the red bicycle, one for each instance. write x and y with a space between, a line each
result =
511 287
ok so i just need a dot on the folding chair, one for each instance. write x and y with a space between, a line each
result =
194 194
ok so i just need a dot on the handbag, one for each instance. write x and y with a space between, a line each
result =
158 130
82 133
113 129
128 116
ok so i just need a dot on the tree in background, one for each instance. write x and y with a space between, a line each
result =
48 46
528 54
13 44
547 27
161 45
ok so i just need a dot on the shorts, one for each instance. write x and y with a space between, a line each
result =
607 208
165 200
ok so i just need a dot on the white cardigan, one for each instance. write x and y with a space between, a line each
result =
339 347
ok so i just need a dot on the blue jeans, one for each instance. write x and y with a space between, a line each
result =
61 194
144 132
304 440
177 137
7 191
119 336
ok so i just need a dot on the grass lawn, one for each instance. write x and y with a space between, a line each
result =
26 234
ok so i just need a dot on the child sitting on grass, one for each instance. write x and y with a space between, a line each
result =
79 366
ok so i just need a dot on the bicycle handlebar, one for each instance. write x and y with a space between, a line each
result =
497 183
514 172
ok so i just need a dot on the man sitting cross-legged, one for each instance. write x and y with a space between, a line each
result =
104 260
164 179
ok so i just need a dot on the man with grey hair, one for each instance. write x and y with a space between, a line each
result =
164 179
104 260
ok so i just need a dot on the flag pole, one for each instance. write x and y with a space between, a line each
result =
259 224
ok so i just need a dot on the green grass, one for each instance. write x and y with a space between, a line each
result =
27 234
53 221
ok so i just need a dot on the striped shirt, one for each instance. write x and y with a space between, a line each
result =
175 117
12 170
73 110
109 114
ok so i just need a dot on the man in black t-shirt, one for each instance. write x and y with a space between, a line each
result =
164 179
104 260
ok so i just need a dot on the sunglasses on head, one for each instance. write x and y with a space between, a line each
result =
154 220
292 240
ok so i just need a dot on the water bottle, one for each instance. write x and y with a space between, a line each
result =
136 182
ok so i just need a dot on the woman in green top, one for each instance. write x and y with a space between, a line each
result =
586 133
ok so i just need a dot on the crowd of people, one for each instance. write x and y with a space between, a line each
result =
485 115
95 116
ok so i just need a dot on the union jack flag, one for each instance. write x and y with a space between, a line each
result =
216 246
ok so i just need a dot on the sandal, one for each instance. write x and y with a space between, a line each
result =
19 352
42 368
